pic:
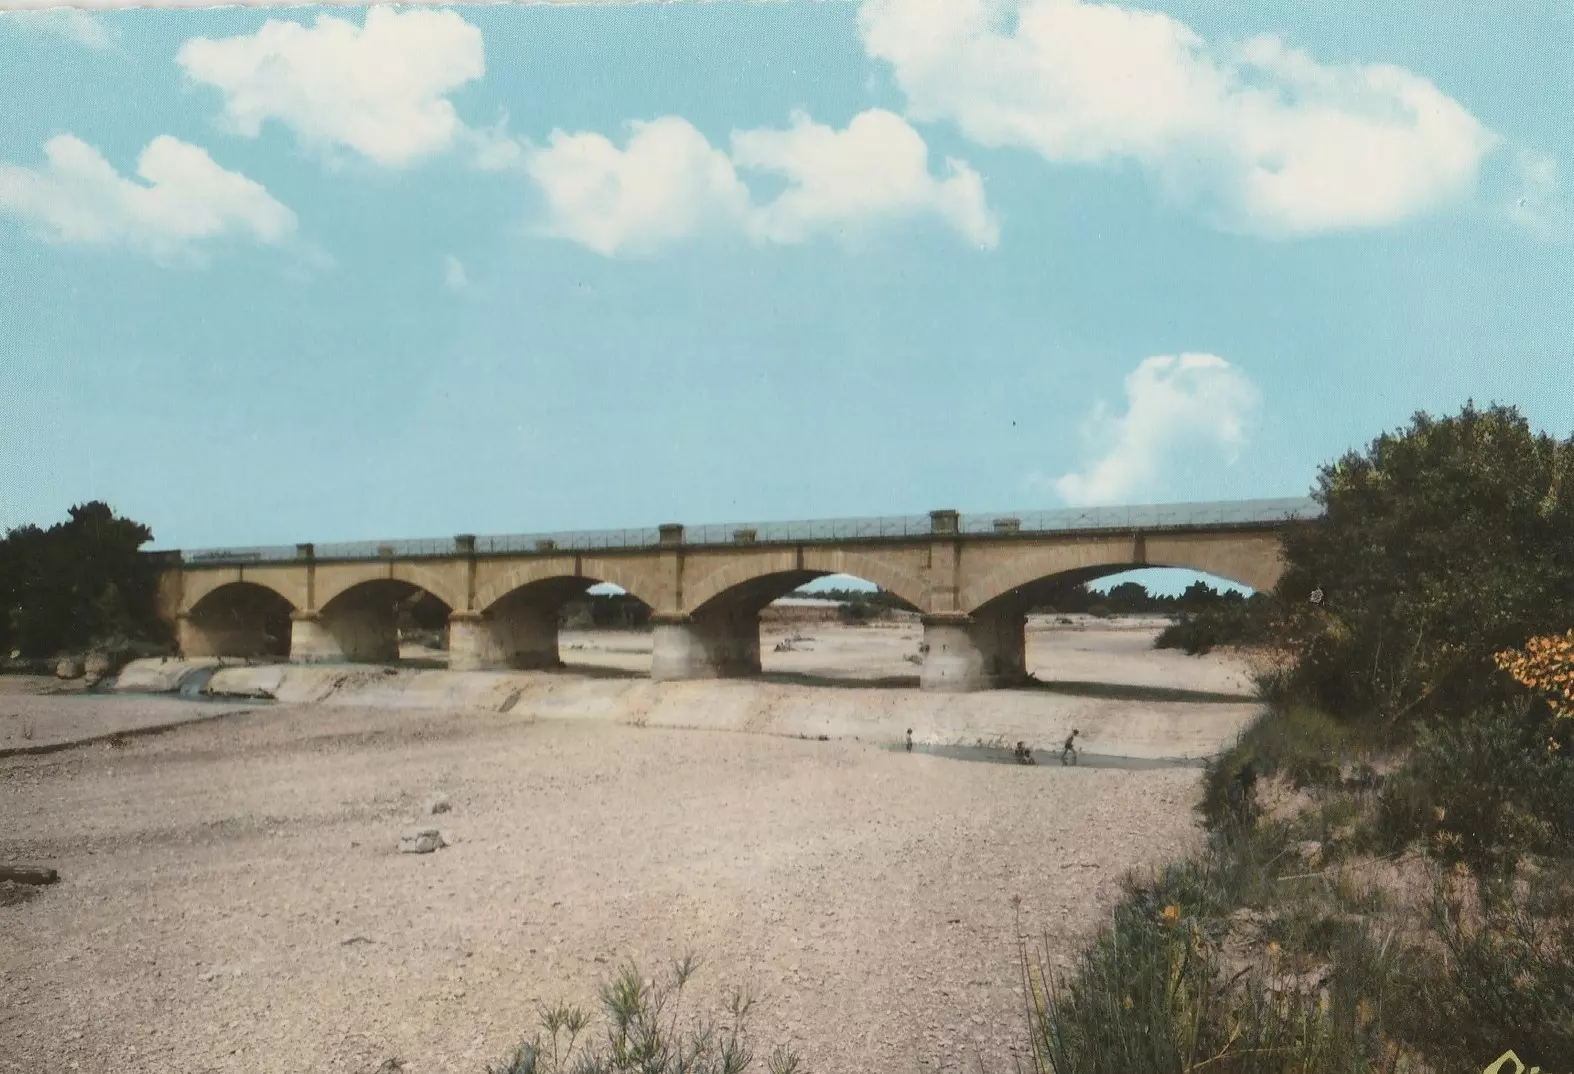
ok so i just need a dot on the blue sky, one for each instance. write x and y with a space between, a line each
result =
412 272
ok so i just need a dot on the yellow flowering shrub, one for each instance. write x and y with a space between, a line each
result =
1545 664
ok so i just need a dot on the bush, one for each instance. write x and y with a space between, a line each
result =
1301 743
1440 546
1546 666
1505 981
1218 962
858 612
643 1034
1483 794
1151 993
1223 622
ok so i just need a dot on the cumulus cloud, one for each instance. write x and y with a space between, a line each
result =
454 276
379 89
668 183
183 199
70 23
1262 136
877 168
1175 404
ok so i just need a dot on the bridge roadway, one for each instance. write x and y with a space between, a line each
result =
973 578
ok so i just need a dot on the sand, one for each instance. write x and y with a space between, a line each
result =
33 720
232 897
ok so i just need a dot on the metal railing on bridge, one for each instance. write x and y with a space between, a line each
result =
1058 520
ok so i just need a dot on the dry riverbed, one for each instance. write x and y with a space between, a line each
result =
232 897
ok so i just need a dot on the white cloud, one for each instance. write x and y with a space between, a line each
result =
878 167
670 183
493 149
184 198
1174 404
1264 137
70 23
1540 205
379 89
454 277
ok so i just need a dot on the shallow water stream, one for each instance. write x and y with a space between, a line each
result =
1047 759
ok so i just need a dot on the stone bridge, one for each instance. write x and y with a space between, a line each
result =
972 578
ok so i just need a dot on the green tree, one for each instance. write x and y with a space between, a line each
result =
80 581
1440 544
1127 597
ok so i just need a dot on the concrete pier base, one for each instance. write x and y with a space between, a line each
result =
349 636
716 646
524 639
311 642
215 636
966 653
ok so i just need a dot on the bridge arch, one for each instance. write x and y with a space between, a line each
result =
197 586
761 579
1253 560
591 572
334 583
514 620
362 614
236 618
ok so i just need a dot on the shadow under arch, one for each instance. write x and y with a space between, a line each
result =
1001 624
721 636
519 628
366 622
238 619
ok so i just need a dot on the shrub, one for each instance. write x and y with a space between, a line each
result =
1301 743
1180 981
1223 622
1505 980
858 612
643 1034
1545 665
1152 994
1483 794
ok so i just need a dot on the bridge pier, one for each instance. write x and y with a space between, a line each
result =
215 636
349 636
526 638
977 652
723 644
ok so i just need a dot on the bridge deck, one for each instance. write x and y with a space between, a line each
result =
1175 516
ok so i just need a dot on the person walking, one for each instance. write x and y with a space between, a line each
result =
1068 752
